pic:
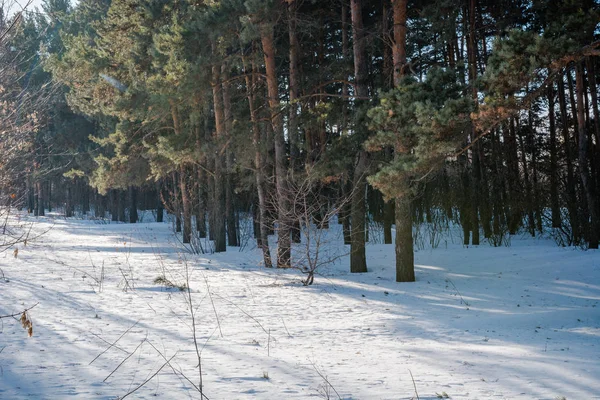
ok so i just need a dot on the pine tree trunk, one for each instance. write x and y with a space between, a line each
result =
595 149
262 240
133 215
554 202
570 184
219 195
588 185
40 191
49 197
388 219
121 202
358 259
527 182
283 204
85 198
114 204
232 238
476 185
405 268
405 261
186 205
202 200
159 204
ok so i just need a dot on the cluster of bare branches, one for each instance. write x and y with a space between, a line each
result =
312 207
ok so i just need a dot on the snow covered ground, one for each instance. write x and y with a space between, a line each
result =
519 322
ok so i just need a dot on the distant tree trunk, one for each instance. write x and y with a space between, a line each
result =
219 195
159 203
514 217
570 183
121 202
202 200
40 195
527 182
114 204
358 259
85 198
69 203
49 196
262 240
232 238
534 202
186 205
133 214
388 219
588 186
554 202
283 203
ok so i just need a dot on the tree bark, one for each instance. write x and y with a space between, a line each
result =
570 183
133 215
219 195
588 186
554 202
232 237
405 261
283 204
263 237
358 260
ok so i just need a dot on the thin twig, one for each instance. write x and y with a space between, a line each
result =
115 342
414 384
213 304
19 313
125 359
150 378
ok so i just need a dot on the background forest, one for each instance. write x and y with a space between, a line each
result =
472 112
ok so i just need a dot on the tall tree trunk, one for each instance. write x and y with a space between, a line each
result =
263 237
570 183
595 149
588 186
527 181
283 203
293 107
232 238
405 266
358 259
476 185
219 195
554 202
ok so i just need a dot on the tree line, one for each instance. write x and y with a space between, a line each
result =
479 113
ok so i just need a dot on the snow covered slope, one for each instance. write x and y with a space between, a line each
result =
519 322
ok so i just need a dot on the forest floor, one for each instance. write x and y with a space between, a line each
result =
518 322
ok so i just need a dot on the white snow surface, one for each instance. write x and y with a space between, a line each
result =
518 322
